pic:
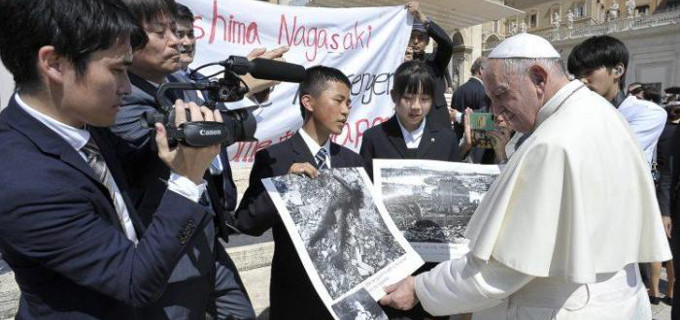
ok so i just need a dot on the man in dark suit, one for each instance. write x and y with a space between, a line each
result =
324 103
673 165
67 228
206 271
423 30
472 95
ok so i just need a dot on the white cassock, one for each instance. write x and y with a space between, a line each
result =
560 231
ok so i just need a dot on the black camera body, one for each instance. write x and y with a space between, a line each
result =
238 125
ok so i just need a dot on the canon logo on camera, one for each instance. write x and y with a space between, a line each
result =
205 132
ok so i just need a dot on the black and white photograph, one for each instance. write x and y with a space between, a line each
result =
342 235
431 202
359 306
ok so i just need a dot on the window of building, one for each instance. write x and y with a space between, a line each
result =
642 10
533 20
672 4
579 10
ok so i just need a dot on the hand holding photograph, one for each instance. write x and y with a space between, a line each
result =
345 239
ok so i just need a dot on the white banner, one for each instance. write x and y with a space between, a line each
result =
367 44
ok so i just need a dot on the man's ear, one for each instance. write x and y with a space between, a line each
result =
308 102
50 64
618 71
538 77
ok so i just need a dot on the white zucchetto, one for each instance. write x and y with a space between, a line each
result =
524 45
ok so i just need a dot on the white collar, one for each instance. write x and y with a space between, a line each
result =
312 145
413 136
556 101
478 79
76 137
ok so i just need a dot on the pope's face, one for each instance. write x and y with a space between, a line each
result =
513 97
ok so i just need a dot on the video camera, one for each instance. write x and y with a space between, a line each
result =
238 125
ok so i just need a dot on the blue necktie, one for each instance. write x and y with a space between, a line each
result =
320 158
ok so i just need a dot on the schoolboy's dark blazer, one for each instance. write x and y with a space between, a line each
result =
292 295
61 235
385 141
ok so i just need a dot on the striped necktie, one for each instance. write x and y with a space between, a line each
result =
320 158
101 171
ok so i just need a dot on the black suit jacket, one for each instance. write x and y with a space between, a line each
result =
292 295
385 141
61 235
664 150
471 94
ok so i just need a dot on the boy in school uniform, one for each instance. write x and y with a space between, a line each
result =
325 105
409 134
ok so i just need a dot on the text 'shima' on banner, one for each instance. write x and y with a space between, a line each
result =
367 44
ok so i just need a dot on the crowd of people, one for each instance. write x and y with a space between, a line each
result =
102 218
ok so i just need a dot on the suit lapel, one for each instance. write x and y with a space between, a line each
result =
51 144
47 140
301 151
428 139
118 176
393 132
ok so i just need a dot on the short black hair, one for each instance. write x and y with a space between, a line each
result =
598 52
184 14
76 29
316 81
413 76
652 94
673 112
637 88
150 10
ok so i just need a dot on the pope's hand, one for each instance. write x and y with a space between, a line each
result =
401 295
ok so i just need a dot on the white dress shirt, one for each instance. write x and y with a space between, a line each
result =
78 138
647 120
412 138
315 147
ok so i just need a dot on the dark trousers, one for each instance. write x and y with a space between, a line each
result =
230 299
675 249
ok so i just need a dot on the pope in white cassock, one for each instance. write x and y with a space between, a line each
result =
560 232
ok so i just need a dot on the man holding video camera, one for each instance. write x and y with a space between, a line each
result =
67 228
206 271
